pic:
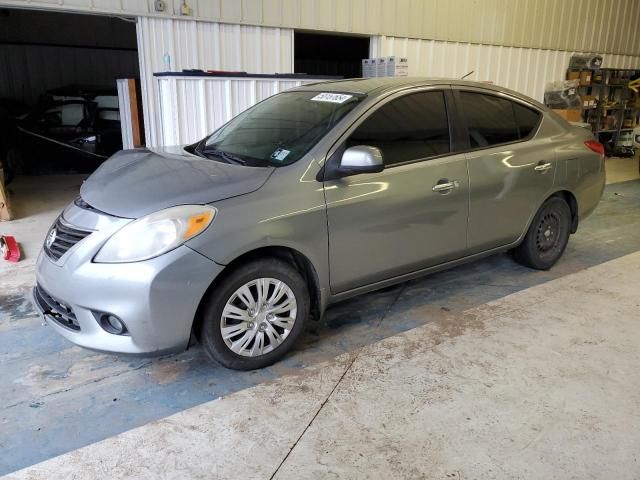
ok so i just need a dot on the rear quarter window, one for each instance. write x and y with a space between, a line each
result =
526 118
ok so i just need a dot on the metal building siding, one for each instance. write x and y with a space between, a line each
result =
606 26
191 107
126 125
206 46
526 70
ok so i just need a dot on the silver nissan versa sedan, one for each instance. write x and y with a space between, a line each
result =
314 195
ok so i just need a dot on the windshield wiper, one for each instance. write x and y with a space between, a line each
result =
228 157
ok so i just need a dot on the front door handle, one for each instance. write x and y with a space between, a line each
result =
543 167
444 186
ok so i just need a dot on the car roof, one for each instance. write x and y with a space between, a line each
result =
381 85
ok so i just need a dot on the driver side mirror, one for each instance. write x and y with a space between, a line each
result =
361 159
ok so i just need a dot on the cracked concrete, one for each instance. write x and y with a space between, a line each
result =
541 384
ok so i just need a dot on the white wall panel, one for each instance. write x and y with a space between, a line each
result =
192 107
206 46
124 104
608 26
525 70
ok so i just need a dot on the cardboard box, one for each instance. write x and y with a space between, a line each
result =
583 77
610 122
397 67
572 115
588 101
381 67
368 67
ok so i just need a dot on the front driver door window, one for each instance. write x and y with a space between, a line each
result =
410 128
390 223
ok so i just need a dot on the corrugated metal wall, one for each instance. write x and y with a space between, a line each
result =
192 107
608 26
525 70
205 46
27 71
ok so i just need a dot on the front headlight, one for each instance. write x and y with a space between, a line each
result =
155 234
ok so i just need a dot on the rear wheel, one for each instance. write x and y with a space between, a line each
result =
547 236
255 315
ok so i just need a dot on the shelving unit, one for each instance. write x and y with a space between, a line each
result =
616 110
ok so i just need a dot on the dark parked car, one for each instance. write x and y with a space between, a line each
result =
71 129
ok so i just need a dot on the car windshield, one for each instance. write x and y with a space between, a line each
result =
279 130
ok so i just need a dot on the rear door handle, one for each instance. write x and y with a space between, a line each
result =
543 167
445 187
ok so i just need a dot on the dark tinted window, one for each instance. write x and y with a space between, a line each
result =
409 128
281 129
490 119
526 118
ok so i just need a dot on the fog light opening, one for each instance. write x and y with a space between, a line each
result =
112 324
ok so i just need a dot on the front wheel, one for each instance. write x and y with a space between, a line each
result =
547 236
255 315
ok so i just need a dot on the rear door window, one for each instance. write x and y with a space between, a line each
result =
490 119
409 128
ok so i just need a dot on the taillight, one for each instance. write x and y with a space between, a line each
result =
595 146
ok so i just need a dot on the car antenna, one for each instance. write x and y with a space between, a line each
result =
465 76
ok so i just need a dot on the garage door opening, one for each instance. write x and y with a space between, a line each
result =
58 95
324 54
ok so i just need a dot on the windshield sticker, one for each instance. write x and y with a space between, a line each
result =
331 97
280 154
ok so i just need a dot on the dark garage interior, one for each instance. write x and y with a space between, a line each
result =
325 54
58 96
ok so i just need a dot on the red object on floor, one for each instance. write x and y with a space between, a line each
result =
10 248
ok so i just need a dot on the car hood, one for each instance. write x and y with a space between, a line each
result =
133 183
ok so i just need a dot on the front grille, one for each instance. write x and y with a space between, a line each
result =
55 309
61 238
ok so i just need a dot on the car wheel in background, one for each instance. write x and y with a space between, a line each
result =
255 314
547 236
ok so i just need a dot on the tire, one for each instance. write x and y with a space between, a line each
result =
225 308
547 236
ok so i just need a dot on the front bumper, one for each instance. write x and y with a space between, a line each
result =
156 299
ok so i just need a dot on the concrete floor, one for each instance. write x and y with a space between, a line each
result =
540 384
55 398
36 202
